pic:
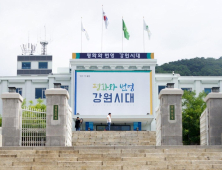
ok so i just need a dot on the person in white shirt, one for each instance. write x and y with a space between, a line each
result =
109 121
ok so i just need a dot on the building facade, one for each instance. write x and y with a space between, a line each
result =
33 87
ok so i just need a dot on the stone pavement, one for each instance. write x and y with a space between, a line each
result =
101 138
111 157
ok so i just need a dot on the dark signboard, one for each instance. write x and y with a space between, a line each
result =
55 112
172 112
112 55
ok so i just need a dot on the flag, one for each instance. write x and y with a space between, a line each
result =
105 19
146 28
83 30
126 34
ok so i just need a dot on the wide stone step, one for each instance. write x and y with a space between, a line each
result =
99 151
111 157
56 159
113 144
79 167
6 155
134 139
16 168
193 158
143 167
38 155
211 154
113 138
208 166
84 167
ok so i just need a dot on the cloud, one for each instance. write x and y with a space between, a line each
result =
180 29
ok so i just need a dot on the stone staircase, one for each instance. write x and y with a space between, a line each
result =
110 138
111 158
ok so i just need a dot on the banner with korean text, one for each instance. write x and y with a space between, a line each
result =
117 92
112 56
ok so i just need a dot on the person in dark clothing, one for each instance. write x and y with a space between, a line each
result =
77 125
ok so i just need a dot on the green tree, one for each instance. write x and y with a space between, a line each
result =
34 122
39 104
24 103
192 107
193 67
30 103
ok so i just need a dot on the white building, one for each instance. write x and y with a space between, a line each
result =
34 77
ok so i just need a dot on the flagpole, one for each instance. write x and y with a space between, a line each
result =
122 34
143 37
102 32
81 34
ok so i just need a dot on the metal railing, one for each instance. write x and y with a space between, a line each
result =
69 125
204 128
158 128
33 127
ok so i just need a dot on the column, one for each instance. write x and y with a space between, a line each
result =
171 116
197 87
58 118
153 124
11 119
220 85
51 81
214 109
29 91
72 92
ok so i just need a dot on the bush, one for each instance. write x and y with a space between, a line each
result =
34 122
193 107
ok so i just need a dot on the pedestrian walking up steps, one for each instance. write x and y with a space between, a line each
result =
111 158
102 138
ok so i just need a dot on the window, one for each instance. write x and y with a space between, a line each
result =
160 88
65 87
26 65
187 89
19 90
207 90
43 65
40 93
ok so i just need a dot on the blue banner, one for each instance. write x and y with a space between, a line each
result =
112 55
137 125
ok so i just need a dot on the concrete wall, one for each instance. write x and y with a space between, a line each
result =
204 128
49 64
171 130
11 119
34 64
19 65
58 131
214 106
158 128
0 136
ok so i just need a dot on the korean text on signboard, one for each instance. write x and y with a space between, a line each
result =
172 112
113 56
127 95
55 112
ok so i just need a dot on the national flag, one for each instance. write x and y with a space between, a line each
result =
126 34
83 30
146 28
105 19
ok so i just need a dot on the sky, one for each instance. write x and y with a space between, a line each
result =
181 29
